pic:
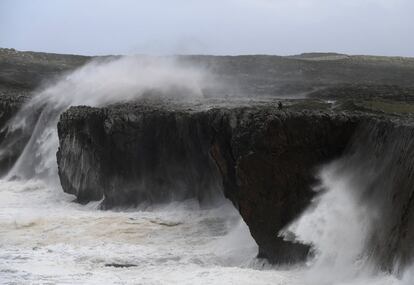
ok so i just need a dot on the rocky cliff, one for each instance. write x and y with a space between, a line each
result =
268 160
380 163
263 159
10 103
143 153
134 154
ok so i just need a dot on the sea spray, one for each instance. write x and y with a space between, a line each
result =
358 224
337 227
98 83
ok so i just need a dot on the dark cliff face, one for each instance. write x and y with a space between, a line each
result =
11 142
81 153
268 161
136 155
264 158
380 162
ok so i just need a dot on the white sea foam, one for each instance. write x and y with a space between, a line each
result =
46 238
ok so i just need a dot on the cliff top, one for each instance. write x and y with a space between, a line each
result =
258 74
380 85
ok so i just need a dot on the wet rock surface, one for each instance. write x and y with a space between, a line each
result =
11 100
135 154
380 162
263 159
269 160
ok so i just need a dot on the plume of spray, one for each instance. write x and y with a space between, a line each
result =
338 227
98 83
360 224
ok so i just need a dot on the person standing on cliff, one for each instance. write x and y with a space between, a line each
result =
280 105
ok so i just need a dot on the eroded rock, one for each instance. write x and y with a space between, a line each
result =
264 160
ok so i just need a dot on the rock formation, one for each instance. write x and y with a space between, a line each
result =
133 154
143 153
380 162
266 159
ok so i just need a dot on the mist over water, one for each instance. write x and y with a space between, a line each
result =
45 237
98 83
337 227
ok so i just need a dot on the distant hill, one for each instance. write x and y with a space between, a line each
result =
320 56
247 75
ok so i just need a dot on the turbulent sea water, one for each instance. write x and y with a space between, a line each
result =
45 238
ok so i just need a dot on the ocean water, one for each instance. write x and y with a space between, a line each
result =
45 238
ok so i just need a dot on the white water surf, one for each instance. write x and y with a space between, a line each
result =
47 239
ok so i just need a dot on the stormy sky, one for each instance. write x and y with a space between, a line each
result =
379 27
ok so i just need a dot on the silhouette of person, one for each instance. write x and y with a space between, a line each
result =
280 105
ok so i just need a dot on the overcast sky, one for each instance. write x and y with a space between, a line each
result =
381 27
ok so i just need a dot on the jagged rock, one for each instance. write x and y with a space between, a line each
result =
266 159
380 163
11 101
83 158
136 154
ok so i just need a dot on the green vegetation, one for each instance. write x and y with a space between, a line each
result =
351 105
307 104
389 107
